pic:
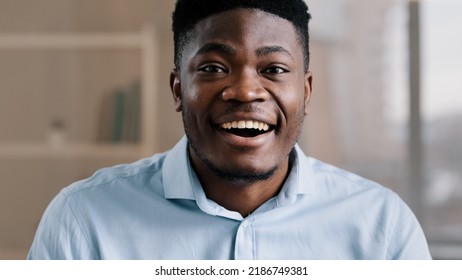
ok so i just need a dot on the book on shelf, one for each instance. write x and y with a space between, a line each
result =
120 116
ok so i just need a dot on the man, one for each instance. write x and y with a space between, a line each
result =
236 186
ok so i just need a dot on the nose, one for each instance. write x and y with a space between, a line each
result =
245 87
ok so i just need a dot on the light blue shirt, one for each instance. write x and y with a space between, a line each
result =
156 209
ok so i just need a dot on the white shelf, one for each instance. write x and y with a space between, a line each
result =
69 151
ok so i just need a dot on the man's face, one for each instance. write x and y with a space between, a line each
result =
243 93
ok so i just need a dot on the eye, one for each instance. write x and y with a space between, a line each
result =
212 69
275 70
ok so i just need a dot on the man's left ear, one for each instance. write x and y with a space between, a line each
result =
175 86
308 90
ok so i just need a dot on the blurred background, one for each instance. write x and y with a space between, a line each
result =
84 84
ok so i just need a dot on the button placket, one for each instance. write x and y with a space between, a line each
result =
244 244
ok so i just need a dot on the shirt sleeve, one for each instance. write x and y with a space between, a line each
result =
59 235
406 239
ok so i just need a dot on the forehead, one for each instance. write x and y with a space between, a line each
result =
244 28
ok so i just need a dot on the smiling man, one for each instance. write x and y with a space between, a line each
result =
243 90
237 186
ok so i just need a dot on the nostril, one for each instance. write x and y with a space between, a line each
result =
245 87
244 95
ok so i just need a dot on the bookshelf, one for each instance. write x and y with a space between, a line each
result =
143 41
36 161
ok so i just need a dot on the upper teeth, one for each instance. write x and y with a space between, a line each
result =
246 124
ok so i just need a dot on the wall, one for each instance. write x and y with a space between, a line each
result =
26 106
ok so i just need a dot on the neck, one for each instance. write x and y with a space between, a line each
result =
240 196
242 199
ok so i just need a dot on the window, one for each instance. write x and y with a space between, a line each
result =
388 105
441 121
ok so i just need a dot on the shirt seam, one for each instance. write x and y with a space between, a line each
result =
86 238
391 230
68 195
80 188
343 174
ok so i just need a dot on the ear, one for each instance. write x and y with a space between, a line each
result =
308 90
175 87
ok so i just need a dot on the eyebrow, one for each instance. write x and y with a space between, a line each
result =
216 47
228 50
263 51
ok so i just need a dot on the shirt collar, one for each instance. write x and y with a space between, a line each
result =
176 173
179 178
300 180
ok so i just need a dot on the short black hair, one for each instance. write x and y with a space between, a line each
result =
189 12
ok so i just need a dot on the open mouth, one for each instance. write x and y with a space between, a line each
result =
246 128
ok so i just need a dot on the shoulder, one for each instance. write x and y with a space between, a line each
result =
354 195
331 185
116 191
82 211
375 210
337 180
118 176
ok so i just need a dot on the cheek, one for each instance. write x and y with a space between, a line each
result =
192 100
293 106
199 94
197 105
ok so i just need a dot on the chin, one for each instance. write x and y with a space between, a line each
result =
241 175
237 172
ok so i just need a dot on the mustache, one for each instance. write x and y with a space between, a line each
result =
245 108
